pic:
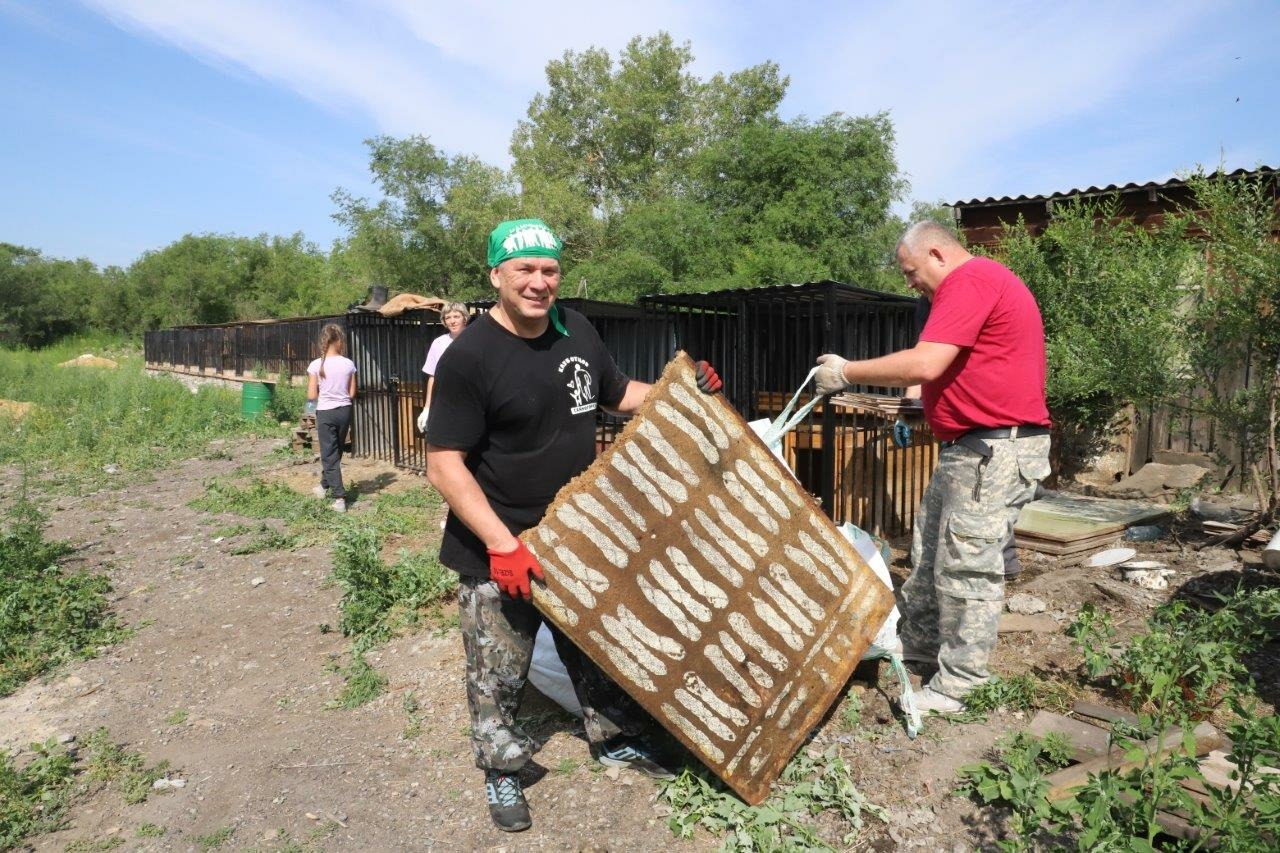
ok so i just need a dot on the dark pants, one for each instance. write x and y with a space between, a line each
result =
498 634
332 426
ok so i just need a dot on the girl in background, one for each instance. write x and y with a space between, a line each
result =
331 385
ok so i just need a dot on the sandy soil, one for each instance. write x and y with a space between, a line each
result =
261 753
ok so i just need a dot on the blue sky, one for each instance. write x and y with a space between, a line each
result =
129 123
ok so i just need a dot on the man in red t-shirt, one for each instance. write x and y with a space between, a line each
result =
980 359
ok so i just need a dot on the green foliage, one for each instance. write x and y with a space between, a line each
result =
1109 292
1018 693
267 538
90 418
111 762
378 598
33 798
1187 664
1017 777
150 830
47 614
1188 661
215 839
809 786
851 711
1234 322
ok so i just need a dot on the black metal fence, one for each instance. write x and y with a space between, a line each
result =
762 340
236 350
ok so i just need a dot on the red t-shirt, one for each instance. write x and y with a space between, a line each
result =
997 379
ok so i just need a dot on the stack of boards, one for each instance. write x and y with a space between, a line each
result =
889 407
1066 524
691 567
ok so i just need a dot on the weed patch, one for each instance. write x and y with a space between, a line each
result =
33 799
1019 693
47 614
1188 664
215 839
111 762
808 787
1016 777
379 598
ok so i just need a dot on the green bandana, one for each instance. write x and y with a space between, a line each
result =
527 238
522 238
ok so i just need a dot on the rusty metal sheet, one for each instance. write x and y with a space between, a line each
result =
689 564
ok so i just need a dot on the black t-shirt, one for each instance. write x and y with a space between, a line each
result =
525 412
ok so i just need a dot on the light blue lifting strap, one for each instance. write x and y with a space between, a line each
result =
785 422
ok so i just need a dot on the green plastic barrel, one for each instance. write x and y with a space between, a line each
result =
255 399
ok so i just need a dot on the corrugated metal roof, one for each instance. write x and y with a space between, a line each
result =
1110 188
804 290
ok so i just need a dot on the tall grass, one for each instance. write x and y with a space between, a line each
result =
87 419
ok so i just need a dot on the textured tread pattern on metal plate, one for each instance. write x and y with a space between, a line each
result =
689 564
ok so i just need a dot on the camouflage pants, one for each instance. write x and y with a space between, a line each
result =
952 601
497 635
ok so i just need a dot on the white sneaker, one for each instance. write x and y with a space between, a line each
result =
928 699
318 491
340 505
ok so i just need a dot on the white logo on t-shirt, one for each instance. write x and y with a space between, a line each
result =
579 385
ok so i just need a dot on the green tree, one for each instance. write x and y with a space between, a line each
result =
1109 292
427 233
1234 321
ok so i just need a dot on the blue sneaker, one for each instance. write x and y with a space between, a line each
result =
633 755
507 805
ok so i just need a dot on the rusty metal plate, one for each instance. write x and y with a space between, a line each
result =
689 564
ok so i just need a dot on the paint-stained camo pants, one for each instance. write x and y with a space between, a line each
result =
951 603
498 634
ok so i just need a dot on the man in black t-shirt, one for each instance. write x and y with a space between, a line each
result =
513 419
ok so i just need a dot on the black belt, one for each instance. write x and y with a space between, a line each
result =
975 440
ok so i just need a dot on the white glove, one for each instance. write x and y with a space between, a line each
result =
422 420
830 376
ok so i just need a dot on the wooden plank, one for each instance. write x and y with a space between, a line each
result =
1087 741
1103 714
1063 782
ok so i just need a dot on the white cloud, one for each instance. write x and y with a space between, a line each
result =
339 57
972 89
963 81
512 41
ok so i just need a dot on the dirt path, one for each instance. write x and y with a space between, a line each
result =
259 750
263 755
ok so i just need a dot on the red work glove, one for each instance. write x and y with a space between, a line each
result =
708 380
510 571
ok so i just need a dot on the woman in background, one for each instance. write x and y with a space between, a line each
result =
331 385
454 317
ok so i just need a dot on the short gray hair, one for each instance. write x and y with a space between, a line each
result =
928 233
451 307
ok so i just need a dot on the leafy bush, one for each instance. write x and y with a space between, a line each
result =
1186 665
1188 661
1109 293
1017 777
47 614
